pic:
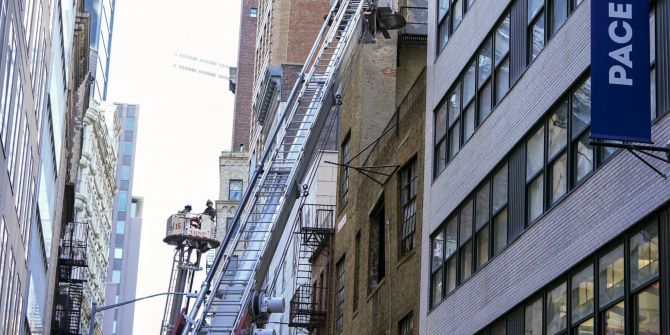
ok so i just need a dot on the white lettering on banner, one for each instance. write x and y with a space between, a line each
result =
617 73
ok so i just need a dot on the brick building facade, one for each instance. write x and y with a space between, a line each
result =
378 223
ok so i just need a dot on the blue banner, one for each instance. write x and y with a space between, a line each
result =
620 96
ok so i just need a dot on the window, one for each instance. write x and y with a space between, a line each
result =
631 308
116 276
533 318
405 326
556 309
611 276
377 246
253 11
559 148
449 15
499 209
535 28
118 253
127 148
467 240
483 83
123 201
130 123
582 288
408 190
235 190
357 265
339 313
652 59
543 24
120 227
644 255
344 183
125 172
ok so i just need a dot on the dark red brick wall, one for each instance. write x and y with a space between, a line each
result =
245 77
305 21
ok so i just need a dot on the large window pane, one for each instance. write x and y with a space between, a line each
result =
454 105
557 309
502 80
648 312
500 231
559 14
533 320
452 230
535 199
440 156
443 32
451 274
443 7
644 255
582 293
441 122
584 154
614 320
437 250
500 189
559 178
611 272
454 140
484 105
535 154
502 40
485 61
466 261
586 328
652 92
534 6
652 35
457 10
537 37
581 108
482 208
466 222
558 129
469 83
468 122
483 246
436 289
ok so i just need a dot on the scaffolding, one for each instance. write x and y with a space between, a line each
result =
308 307
72 264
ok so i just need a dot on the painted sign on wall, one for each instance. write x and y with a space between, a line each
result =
620 96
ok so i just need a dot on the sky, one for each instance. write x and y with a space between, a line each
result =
185 119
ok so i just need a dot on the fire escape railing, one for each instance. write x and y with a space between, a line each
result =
415 32
308 307
72 263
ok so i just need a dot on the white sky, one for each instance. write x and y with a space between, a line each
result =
185 119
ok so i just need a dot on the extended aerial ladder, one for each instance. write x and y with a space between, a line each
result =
267 203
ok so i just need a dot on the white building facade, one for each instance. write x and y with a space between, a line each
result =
94 199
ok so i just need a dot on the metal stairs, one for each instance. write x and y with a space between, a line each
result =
222 300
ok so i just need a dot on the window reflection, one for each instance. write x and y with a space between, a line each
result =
582 293
533 320
614 320
644 255
557 309
647 311
611 276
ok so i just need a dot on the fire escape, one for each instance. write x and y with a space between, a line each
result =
415 31
72 265
309 304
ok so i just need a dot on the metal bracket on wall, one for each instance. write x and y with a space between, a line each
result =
637 149
369 171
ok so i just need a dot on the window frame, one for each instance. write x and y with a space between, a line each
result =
343 185
406 202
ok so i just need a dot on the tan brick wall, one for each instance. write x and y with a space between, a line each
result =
368 109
